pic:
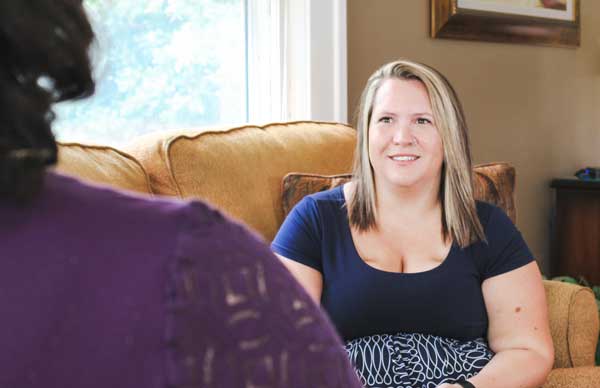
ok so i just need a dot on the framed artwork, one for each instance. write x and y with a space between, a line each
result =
541 22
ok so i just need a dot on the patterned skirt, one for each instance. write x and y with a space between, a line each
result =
415 360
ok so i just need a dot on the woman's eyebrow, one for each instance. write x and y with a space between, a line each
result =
393 114
385 113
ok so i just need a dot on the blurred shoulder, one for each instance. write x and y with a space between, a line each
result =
67 195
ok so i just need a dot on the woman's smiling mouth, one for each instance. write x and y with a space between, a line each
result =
404 158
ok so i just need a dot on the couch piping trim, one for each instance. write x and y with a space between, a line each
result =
113 149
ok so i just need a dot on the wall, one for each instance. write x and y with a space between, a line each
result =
535 107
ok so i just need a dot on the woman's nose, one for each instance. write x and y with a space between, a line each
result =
403 135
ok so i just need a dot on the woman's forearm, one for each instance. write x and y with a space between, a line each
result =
514 368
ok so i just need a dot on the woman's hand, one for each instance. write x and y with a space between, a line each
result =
446 385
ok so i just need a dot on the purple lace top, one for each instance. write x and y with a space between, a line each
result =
105 289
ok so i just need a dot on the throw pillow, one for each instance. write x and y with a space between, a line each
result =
493 183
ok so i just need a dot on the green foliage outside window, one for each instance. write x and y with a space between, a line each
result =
160 64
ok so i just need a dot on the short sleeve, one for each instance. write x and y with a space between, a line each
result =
299 237
507 249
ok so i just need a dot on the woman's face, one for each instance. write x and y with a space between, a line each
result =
405 148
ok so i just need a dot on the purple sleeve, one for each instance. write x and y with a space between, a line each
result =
238 318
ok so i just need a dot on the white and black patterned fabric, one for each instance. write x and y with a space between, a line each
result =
415 360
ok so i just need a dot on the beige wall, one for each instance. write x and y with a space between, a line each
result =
535 107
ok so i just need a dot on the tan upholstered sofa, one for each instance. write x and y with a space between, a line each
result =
240 170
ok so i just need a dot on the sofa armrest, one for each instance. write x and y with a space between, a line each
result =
582 377
103 165
574 325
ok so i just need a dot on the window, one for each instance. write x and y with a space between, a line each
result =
169 64
160 64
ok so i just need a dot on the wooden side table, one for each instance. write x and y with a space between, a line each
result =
576 229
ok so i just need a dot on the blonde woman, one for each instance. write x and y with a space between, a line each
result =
428 287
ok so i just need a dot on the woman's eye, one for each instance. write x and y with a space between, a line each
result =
385 119
422 120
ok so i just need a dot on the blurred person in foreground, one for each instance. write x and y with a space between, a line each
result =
101 288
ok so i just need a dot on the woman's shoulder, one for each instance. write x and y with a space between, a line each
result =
488 212
324 200
505 248
334 194
318 208
497 225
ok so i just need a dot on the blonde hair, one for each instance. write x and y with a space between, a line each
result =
459 213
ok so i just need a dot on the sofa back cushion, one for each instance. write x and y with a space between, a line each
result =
102 165
240 169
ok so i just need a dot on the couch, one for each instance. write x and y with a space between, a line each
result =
241 170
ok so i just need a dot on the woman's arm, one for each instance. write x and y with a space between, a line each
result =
308 277
518 331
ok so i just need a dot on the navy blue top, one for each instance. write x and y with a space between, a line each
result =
362 300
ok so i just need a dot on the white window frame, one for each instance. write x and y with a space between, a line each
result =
297 60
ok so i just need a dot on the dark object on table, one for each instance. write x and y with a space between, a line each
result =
589 174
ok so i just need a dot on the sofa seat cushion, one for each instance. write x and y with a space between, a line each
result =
102 165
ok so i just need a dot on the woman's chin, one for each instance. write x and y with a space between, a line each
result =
402 183
406 182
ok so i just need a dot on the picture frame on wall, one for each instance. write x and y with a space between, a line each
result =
541 22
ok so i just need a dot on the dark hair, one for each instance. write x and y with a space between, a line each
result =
43 59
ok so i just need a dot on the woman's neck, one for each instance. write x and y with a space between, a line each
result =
412 205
